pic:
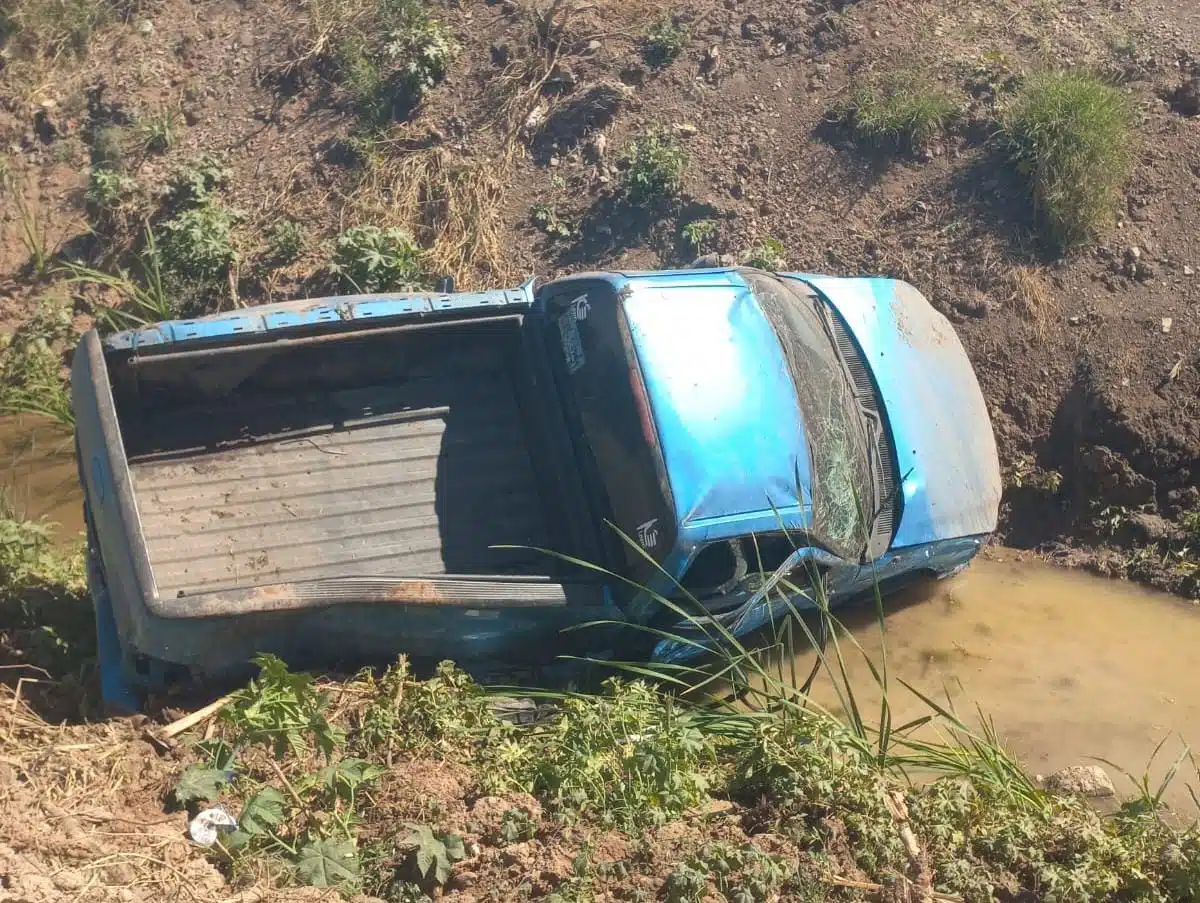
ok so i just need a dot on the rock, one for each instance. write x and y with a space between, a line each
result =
145 27
594 46
1136 265
594 151
1114 481
713 262
1188 271
1150 528
1186 98
1166 324
1081 780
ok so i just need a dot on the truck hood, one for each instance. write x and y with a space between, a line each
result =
939 422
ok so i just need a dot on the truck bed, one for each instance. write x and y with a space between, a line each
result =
399 456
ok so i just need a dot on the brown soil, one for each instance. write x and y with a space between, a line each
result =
1084 375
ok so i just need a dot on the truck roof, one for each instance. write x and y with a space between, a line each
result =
724 404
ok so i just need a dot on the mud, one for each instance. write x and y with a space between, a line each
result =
37 460
1068 666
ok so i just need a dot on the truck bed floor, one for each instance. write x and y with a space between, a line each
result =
413 479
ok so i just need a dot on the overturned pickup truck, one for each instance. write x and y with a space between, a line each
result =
343 479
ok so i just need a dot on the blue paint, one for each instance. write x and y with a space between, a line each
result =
724 405
274 318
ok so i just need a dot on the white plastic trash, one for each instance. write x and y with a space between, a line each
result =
210 824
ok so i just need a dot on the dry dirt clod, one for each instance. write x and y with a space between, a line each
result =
1186 99
1081 780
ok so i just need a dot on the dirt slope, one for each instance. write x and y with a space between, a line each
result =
1088 363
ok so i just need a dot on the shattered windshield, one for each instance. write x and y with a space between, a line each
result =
841 490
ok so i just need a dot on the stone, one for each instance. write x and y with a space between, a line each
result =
145 27
1081 780
1188 271
712 262
1114 481
1186 98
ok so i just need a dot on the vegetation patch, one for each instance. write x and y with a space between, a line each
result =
370 259
1071 136
653 170
665 40
902 108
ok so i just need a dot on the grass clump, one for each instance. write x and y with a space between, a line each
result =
1071 136
370 259
45 610
157 132
902 108
654 167
665 40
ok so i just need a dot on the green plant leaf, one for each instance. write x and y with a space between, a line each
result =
200 783
263 811
434 855
328 863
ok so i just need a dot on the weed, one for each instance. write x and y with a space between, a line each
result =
389 55
44 607
900 108
430 855
700 234
285 240
34 236
370 259
111 199
144 296
768 255
665 40
31 380
195 184
156 133
545 217
654 167
1071 136
623 758
517 826
280 709
197 243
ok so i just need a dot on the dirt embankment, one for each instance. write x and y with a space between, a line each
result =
509 165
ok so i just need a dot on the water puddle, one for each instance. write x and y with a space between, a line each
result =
37 461
1067 665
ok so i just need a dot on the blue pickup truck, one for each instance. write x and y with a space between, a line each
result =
343 479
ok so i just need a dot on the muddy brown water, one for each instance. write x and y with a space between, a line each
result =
37 474
1068 666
